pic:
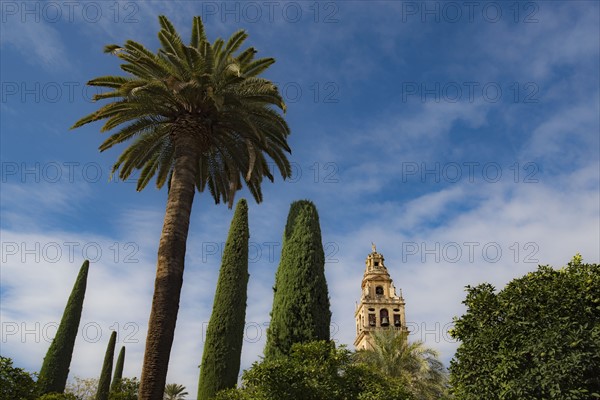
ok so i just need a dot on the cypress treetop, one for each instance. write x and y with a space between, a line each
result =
301 303
55 368
104 381
223 347
116 381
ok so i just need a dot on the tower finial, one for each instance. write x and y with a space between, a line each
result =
373 247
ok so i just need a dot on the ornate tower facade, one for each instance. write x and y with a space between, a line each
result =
379 307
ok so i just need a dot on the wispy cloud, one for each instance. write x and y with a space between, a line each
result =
38 42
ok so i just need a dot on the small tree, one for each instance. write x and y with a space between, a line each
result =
538 338
55 368
83 388
104 382
301 303
223 347
15 383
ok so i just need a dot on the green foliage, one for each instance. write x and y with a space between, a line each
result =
173 391
104 382
15 383
538 338
127 389
301 303
415 365
314 371
55 368
209 91
118 375
235 394
58 396
224 335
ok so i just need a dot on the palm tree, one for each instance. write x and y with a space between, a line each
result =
173 391
416 365
201 117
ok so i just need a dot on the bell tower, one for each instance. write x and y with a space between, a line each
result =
379 307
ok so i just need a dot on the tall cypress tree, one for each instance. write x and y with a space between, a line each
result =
55 368
104 381
301 303
116 381
223 347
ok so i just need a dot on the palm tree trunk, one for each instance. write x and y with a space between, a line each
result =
169 270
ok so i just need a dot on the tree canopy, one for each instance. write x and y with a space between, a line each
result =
538 338
15 383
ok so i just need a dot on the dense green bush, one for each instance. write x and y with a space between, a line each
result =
315 371
15 383
538 338
126 389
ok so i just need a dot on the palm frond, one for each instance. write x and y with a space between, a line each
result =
413 363
198 34
113 82
216 86
112 48
138 127
257 67
234 42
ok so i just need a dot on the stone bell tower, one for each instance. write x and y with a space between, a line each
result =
379 307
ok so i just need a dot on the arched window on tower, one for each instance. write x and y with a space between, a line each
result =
379 290
384 317
397 322
371 319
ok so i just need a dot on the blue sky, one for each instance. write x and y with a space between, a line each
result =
462 139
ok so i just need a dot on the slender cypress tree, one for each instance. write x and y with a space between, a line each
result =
104 381
223 347
55 368
116 381
301 303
